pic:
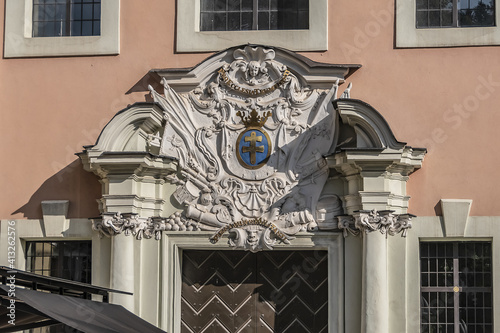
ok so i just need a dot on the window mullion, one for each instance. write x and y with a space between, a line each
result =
456 282
68 18
455 13
255 25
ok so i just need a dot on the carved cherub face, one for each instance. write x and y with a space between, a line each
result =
253 236
253 68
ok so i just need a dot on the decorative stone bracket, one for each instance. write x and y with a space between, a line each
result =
366 221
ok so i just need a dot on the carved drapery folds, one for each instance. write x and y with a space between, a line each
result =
366 221
246 143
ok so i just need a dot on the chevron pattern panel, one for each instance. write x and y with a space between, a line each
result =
239 291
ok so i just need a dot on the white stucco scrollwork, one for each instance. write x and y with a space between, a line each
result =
251 133
250 144
366 221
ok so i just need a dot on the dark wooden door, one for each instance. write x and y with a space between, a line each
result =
238 291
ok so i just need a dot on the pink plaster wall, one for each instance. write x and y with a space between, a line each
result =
51 107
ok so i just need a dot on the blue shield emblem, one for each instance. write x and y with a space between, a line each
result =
253 148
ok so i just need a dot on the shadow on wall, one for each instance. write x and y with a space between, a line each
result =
72 183
142 85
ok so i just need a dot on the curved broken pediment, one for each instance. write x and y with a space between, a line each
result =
236 144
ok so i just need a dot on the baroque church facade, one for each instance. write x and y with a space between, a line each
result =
307 178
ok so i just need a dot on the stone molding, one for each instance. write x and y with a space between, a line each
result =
251 235
366 221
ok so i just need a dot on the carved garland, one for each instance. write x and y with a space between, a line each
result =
243 223
252 92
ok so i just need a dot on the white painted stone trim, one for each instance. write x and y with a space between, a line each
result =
455 216
20 43
36 230
175 242
407 35
406 254
191 39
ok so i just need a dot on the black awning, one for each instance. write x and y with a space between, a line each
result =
82 314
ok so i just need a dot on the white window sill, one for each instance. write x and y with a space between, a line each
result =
191 39
19 43
407 35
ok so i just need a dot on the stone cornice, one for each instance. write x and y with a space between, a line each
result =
361 222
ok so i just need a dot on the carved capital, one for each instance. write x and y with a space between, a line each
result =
112 224
346 224
366 221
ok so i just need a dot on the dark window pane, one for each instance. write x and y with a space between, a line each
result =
87 12
219 22
274 4
60 28
76 12
49 12
434 18
422 4
38 13
207 21
207 5
422 19
447 4
233 22
273 21
446 18
37 29
424 265
247 4
97 28
220 5
97 11
233 5
60 13
246 21
263 5
49 30
76 28
303 20
303 5
263 21
434 4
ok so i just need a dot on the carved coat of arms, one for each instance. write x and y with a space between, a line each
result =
250 142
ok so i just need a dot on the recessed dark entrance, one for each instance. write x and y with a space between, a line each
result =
238 291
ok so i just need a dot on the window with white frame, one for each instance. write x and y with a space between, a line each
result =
39 28
232 15
456 287
70 260
52 18
212 25
455 13
444 23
